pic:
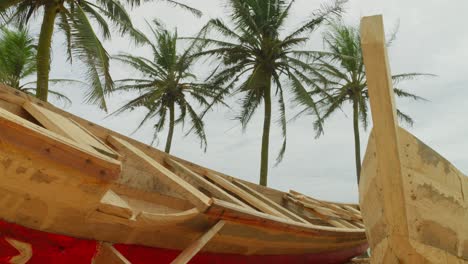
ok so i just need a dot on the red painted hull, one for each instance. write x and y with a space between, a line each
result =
55 249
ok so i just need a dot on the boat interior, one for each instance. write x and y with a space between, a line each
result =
120 182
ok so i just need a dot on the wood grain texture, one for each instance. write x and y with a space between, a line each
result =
198 244
412 199
68 128
200 200
107 254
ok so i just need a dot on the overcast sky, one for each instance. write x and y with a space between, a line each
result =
432 38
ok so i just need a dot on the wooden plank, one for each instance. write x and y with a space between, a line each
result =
271 203
244 195
112 204
200 200
335 209
385 123
210 187
238 214
107 254
325 214
197 245
33 138
68 128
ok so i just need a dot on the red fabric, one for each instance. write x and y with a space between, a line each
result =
46 247
57 249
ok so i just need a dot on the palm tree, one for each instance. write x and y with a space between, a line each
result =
255 55
18 61
343 80
73 18
167 85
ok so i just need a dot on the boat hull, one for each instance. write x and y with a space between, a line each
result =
436 206
42 247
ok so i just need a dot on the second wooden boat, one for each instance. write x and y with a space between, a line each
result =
74 192
414 202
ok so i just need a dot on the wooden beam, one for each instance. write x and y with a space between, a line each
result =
385 123
112 204
335 209
197 245
35 139
197 198
231 212
271 203
68 128
107 254
252 200
210 187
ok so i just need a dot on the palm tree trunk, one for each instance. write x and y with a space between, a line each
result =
43 50
171 128
266 133
357 141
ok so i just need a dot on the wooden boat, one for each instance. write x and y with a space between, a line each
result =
74 192
413 201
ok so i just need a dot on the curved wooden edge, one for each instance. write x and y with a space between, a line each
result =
238 214
167 219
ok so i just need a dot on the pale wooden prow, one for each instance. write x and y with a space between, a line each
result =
385 122
197 245
412 199
382 101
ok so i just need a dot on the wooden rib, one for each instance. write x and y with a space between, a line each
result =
200 200
322 213
382 100
337 210
197 245
238 214
50 145
152 219
68 128
112 204
244 195
212 188
271 203
107 254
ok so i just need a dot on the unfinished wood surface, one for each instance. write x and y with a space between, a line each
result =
334 209
160 219
200 200
210 187
107 254
325 214
68 128
385 123
112 204
188 253
271 203
33 138
412 199
153 219
252 200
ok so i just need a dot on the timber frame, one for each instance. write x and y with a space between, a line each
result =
125 191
